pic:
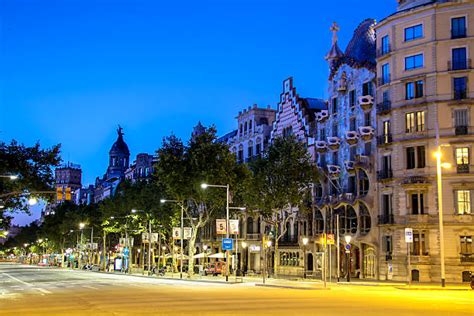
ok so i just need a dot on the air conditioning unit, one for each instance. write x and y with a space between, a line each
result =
321 146
352 137
350 165
334 170
366 101
334 142
366 132
322 115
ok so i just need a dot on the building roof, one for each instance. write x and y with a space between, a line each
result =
119 147
315 104
226 137
360 52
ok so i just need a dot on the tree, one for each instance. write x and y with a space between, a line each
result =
183 168
33 166
281 184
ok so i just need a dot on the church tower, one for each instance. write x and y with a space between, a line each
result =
118 157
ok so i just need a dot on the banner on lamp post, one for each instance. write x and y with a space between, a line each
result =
221 227
187 232
234 226
176 233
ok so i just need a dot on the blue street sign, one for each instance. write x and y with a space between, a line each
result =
227 244
348 247
126 251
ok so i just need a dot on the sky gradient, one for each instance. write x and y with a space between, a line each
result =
70 71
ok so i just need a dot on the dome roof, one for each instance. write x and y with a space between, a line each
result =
119 147
361 48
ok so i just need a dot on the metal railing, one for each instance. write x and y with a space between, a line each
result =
384 107
459 64
384 174
384 51
464 168
384 139
458 33
460 94
461 130
386 219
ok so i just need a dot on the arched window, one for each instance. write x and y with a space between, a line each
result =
363 183
250 125
365 222
351 220
245 127
249 225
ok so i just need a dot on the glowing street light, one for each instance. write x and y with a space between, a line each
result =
32 201
305 242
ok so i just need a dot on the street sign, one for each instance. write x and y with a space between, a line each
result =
330 239
154 237
187 232
348 247
227 244
176 233
234 226
408 235
221 227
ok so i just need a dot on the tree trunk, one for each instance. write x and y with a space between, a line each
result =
275 256
191 252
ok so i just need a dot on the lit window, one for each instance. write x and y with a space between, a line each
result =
463 201
462 156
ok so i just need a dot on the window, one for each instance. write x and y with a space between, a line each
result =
250 152
365 222
287 131
245 128
367 120
386 132
352 153
386 96
462 156
387 244
413 32
367 88
414 62
250 125
418 247
459 60
460 88
352 124
334 105
415 157
463 198
351 184
240 157
368 148
415 122
322 134
466 245
385 73
458 27
334 130
387 164
385 45
460 118
420 156
352 97
335 158
387 206
417 203
410 158
258 149
414 90
363 183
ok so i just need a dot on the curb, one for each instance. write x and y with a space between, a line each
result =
292 287
431 289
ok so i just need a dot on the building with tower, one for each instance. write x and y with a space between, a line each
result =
119 156
68 179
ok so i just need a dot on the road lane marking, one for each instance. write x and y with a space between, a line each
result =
90 287
18 280
43 290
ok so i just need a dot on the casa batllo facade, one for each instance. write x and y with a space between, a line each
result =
346 145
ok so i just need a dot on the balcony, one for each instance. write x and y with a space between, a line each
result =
459 64
384 174
415 180
384 139
461 130
464 168
388 256
384 51
252 236
386 219
383 81
458 33
460 94
362 161
287 241
468 257
384 107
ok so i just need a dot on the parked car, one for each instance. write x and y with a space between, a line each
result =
215 268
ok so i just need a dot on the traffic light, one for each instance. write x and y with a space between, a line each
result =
68 194
59 194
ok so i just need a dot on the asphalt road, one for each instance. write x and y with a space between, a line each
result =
27 290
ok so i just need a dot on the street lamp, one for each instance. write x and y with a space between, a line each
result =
134 211
162 201
81 227
440 165
244 268
32 201
11 177
348 238
305 242
205 186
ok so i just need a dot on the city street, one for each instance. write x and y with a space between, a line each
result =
29 290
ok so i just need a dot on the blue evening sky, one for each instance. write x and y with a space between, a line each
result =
70 71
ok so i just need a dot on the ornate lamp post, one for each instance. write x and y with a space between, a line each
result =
305 242
348 238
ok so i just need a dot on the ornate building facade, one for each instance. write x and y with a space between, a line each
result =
424 100
346 195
